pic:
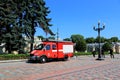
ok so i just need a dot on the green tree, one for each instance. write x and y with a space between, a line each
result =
18 17
40 37
114 39
102 39
76 38
7 24
81 46
51 37
36 14
67 39
106 46
80 42
90 40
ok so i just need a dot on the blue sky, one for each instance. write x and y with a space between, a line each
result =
79 17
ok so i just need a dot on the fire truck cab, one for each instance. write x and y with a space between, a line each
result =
52 50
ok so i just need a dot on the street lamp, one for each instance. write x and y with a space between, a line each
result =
99 29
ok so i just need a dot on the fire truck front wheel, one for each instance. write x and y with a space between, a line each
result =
43 59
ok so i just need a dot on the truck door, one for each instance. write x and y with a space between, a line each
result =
51 50
54 50
48 50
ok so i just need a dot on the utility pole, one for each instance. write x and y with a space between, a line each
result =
57 34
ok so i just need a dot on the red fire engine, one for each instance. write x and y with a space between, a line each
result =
52 50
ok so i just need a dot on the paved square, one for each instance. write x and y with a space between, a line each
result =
80 68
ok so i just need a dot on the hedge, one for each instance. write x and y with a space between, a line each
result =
82 53
13 56
89 53
26 56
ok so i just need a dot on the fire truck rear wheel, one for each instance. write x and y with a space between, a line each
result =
65 58
43 59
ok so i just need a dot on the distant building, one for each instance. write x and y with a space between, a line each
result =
95 46
90 47
26 49
117 47
2 48
36 42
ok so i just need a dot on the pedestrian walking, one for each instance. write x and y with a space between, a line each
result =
103 54
111 53
94 53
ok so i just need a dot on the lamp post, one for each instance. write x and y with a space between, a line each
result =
99 29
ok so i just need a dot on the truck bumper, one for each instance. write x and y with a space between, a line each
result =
34 58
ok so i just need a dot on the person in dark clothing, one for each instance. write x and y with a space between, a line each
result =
103 54
94 53
111 53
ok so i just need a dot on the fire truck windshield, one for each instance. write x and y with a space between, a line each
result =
39 47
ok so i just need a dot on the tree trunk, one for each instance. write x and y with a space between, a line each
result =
32 36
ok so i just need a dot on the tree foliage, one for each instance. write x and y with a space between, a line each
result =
34 13
107 46
19 18
102 39
10 32
80 42
40 37
76 38
114 39
51 38
80 46
90 40
67 39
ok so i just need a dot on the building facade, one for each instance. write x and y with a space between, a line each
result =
95 46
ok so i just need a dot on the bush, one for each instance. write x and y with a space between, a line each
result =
82 53
88 53
106 46
13 56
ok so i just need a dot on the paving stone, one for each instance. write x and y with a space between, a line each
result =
81 68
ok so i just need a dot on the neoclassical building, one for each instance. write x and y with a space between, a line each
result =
116 47
26 49
95 46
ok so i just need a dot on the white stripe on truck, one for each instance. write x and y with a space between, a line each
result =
56 50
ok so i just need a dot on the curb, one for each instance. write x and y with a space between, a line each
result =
9 61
